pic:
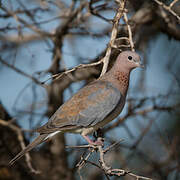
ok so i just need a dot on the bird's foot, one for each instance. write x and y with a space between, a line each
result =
98 142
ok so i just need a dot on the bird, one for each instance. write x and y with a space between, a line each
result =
93 106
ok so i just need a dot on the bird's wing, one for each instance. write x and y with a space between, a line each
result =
86 108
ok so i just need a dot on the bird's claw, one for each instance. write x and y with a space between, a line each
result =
98 142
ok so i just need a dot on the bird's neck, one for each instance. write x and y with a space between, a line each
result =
120 79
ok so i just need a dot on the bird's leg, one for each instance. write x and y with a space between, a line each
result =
98 142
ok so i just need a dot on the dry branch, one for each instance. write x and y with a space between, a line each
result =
129 31
108 171
168 8
114 32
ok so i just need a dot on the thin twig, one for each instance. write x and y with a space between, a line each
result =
81 146
172 3
112 146
129 31
114 32
20 20
95 13
138 177
168 8
108 171
80 66
83 160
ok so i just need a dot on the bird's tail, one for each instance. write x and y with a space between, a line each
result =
37 141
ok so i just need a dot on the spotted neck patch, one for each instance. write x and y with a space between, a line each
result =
123 78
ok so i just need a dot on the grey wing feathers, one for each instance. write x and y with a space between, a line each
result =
97 112
86 108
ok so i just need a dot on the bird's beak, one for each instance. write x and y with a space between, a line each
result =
140 64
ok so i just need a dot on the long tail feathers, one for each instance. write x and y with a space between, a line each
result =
37 141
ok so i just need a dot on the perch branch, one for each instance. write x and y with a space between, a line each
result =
108 171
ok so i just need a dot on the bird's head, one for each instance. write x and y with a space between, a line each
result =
128 60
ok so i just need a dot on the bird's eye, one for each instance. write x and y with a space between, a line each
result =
130 57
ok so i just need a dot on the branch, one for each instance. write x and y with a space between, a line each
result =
168 8
108 171
111 44
60 33
30 26
129 31
94 12
80 66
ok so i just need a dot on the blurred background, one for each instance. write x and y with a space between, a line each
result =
41 39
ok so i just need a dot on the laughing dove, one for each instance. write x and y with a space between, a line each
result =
91 107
